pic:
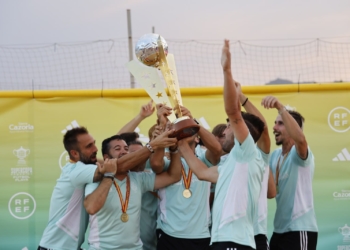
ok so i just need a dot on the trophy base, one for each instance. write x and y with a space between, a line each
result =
184 127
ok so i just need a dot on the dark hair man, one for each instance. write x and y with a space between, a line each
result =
293 166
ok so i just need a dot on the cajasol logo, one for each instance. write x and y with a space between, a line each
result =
21 127
341 195
339 119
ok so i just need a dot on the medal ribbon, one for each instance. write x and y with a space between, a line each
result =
280 166
125 203
187 181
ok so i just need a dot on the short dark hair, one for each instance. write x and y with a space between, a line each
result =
70 139
219 129
135 143
129 136
257 125
297 116
254 124
105 144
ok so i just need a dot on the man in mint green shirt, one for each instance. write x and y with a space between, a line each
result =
115 211
184 213
238 179
293 166
68 219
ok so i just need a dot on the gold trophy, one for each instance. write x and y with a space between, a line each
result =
152 51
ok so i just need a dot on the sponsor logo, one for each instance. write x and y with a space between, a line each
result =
73 124
345 231
343 195
22 205
23 172
21 154
64 159
344 155
21 127
339 119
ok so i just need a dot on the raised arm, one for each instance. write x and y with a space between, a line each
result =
231 100
213 152
95 201
199 168
157 159
292 127
172 175
131 160
264 142
146 111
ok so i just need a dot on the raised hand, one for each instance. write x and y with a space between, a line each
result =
162 112
271 102
108 166
226 56
185 112
147 110
163 140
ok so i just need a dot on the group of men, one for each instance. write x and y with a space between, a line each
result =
158 196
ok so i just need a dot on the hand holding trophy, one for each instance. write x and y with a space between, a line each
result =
152 51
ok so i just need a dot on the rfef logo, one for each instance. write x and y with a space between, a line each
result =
339 119
21 127
22 205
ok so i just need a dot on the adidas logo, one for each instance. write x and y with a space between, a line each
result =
344 155
73 124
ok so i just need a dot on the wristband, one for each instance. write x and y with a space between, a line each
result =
174 152
149 147
245 102
109 175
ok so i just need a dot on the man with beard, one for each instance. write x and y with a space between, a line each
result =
295 225
115 209
238 179
68 219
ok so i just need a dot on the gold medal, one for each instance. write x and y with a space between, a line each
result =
124 204
124 217
187 182
187 193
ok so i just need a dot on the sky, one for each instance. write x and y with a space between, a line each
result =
59 21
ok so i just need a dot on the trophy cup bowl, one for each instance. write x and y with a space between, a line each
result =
152 50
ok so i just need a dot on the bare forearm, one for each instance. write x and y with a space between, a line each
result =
214 149
131 126
157 161
230 94
193 162
133 159
95 201
292 127
271 187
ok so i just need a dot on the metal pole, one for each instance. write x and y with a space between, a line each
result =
131 50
